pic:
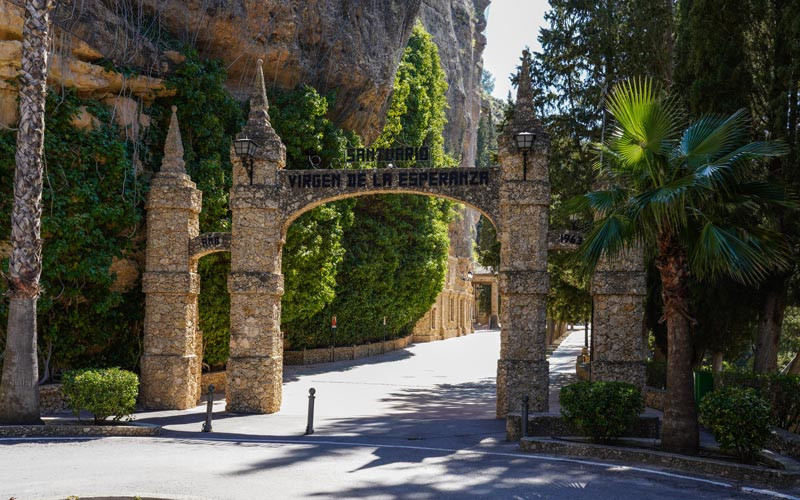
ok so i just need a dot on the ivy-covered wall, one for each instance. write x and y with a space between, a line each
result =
92 211
358 259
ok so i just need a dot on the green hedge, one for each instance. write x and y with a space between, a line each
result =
105 392
739 418
782 392
602 411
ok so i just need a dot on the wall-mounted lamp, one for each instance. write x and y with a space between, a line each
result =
246 150
525 141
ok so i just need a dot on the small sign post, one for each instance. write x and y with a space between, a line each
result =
383 346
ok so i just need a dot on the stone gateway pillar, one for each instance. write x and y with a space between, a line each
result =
524 201
618 293
171 362
255 366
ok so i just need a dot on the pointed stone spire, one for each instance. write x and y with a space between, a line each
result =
258 99
173 148
259 106
523 111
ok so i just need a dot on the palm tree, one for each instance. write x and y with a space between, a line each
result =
19 395
671 192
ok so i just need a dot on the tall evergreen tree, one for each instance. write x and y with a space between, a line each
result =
777 65
714 73
587 46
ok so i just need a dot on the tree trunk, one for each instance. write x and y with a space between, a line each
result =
716 363
679 431
19 395
20 403
770 320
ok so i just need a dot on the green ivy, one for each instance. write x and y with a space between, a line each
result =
92 211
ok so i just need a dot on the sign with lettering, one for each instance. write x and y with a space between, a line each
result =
386 155
565 239
572 237
207 243
386 178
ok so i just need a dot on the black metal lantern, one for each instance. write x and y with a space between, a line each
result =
246 150
524 141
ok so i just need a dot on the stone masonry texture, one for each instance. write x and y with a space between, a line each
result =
522 370
265 199
170 364
618 291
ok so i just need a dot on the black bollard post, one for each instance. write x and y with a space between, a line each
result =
310 425
209 409
525 401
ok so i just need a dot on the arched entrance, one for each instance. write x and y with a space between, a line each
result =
265 199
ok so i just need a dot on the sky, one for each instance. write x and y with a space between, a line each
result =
512 24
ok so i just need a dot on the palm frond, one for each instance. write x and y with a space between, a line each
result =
608 236
743 156
645 119
665 205
711 137
765 192
599 202
746 256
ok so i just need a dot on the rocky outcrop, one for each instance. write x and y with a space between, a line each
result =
457 28
349 47
74 64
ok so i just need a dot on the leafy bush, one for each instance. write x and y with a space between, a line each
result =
104 392
739 419
657 373
782 392
602 411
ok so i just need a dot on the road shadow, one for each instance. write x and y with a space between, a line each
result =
291 373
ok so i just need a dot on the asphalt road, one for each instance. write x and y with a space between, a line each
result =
412 424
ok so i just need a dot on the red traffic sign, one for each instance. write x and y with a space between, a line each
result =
333 322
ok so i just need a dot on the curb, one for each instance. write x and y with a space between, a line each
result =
789 477
60 428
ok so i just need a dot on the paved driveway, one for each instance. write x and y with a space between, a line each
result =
412 424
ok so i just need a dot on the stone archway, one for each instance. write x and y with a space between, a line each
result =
266 199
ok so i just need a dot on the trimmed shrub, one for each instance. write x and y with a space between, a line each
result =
739 419
103 392
602 411
782 392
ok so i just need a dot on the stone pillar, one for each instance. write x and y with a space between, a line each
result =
494 315
255 367
618 293
524 201
170 366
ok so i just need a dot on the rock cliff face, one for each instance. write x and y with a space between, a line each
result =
456 27
351 47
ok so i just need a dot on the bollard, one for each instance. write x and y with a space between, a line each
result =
209 409
525 416
310 425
